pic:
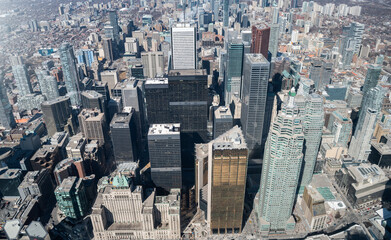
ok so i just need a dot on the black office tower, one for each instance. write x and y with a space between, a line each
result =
164 145
123 137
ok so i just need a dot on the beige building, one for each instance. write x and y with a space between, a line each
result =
363 185
93 125
124 211
314 208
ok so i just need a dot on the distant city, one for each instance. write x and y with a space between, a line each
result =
207 119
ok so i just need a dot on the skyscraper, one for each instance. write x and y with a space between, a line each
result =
71 198
108 49
70 72
372 77
274 33
340 125
7 119
221 181
222 121
360 146
234 69
260 39
181 98
183 46
354 33
281 169
164 145
254 94
92 124
124 137
56 114
21 76
320 73
153 63
48 85
226 13
312 116
113 18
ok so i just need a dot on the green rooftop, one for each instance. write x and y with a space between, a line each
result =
326 193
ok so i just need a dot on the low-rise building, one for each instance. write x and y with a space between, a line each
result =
363 185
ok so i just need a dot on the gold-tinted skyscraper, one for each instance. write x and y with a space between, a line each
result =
222 194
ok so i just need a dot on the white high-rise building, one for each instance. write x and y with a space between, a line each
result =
254 93
360 146
183 46
153 63
281 169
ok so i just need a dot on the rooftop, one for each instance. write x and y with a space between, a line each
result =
256 58
36 230
163 129
232 139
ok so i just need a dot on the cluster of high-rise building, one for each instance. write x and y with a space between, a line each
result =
197 120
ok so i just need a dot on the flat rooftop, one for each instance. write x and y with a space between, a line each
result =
187 72
164 129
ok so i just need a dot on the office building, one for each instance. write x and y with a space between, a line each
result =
234 69
70 73
93 125
71 198
312 116
124 210
363 185
35 230
47 84
131 45
153 63
340 125
164 146
313 205
274 32
124 137
221 172
110 77
183 46
7 119
282 163
254 94
222 121
46 157
182 98
260 36
360 146
320 73
225 13
36 183
56 114
85 56
372 78
131 92
93 99
108 49
113 18
10 179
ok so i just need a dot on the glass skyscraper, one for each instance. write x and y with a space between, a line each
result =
234 69
7 119
70 74
281 169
